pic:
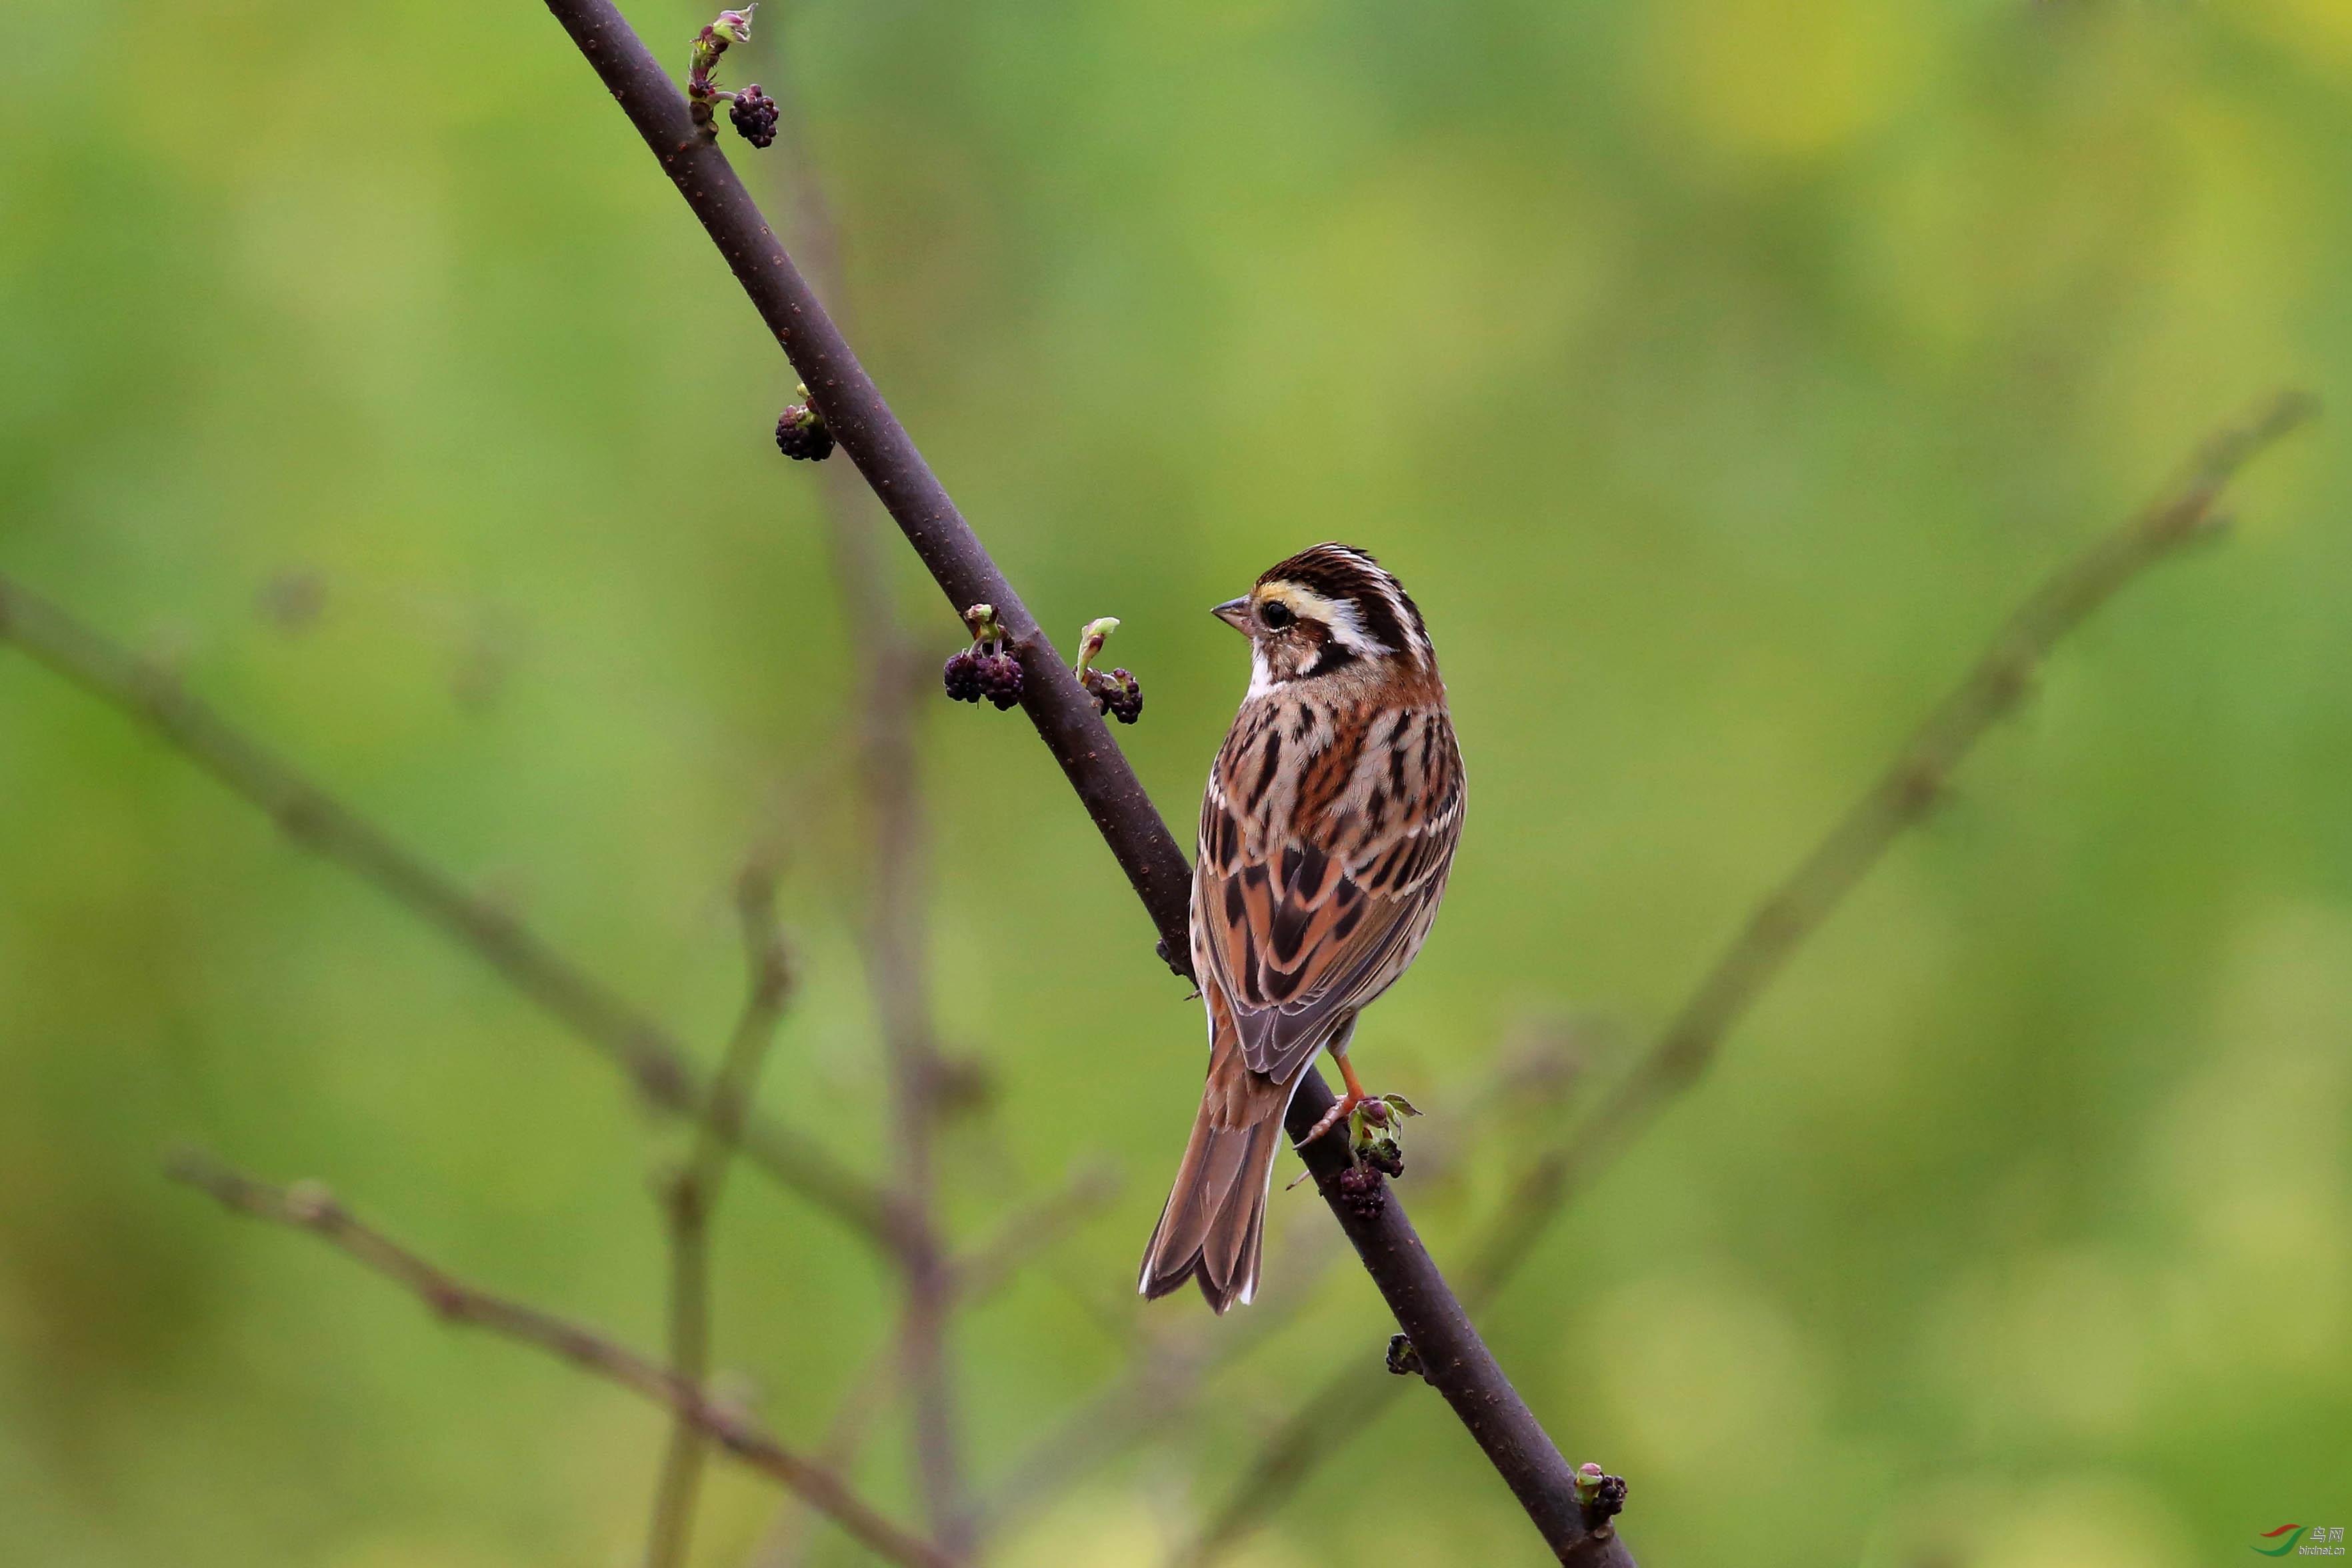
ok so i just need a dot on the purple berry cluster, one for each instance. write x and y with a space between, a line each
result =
987 669
754 114
962 676
801 434
1361 1189
1115 693
972 675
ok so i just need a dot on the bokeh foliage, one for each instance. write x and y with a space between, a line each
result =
1715 372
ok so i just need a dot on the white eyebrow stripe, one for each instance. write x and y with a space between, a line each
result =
1347 622
1393 596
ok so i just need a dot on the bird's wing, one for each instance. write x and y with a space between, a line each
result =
1316 882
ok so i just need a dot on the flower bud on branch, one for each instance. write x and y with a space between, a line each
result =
1599 1496
801 434
753 112
1403 1360
1117 693
1373 1128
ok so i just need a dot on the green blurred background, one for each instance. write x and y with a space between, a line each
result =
1715 372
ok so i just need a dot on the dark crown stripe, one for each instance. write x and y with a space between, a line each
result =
1334 571
1343 571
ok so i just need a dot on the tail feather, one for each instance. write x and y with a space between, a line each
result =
1216 1215
1213 1227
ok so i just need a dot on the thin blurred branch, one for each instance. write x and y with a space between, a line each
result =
898 966
790 1536
1029 1231
1459 1365
310 1207
1158 1388
897 975
693 1197
1903 795
655 1061
990 1265
870 1394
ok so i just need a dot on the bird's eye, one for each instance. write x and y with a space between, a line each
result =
1275 615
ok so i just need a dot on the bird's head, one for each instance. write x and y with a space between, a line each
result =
1328 611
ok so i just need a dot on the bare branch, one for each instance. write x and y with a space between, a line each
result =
1903 795
855 412
310 1207
693 1197
1459 1365
654 1058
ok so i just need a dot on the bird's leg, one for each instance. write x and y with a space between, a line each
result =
1345 1106
1355 1095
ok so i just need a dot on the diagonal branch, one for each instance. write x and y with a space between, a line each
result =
1459 1363
1901 797
654 1058
693 1197
1536 1079
308 1207
855 412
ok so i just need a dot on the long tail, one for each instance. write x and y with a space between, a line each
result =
1213 1227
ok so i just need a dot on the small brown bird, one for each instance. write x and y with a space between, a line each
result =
1326 836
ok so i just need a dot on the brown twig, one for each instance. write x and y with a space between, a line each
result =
312 1208
1461 1366
692 1197
655 1061
1903 795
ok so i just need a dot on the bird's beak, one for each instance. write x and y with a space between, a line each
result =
1235 613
